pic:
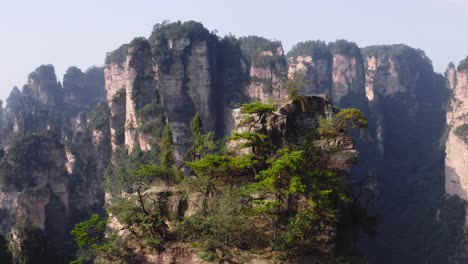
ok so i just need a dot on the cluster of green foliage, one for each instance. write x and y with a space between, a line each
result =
99 117
387 51
152 120
166 31
252 48
74 73
167 151
201 144
319 50
118 176
119 136
295 85
463 65
283 199
119 95
462 132
149 110
90 237
345 47
32 243
118 56
346 119
316 49
139 42
25 154
143 214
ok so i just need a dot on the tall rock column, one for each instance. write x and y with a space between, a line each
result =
186 75
130 86
456 146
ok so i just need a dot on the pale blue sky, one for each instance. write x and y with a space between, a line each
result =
66 33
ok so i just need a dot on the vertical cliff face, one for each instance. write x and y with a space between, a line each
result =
130 86
265 66
51 174
185 56
407 100
456 165
312 59
43 85
335 70
175 70
404 100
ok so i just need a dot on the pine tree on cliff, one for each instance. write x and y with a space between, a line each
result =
202 144
167 151
197 141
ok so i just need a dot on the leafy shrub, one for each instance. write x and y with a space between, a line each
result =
347 118
119 95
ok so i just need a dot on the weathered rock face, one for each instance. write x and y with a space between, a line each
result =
130 86
266 68
51 175
294 121
182 69
406 101
335 70
316 72
252 69
187 86
456 148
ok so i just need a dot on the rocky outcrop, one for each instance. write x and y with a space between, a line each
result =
456 146
43 85
56 151
297 119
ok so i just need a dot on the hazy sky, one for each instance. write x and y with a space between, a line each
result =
80 32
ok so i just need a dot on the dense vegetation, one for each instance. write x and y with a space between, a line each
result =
118 56
253 48
462 132
319 50
346 48
25 154
316 49
463 65
397 50
286 199
163 32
